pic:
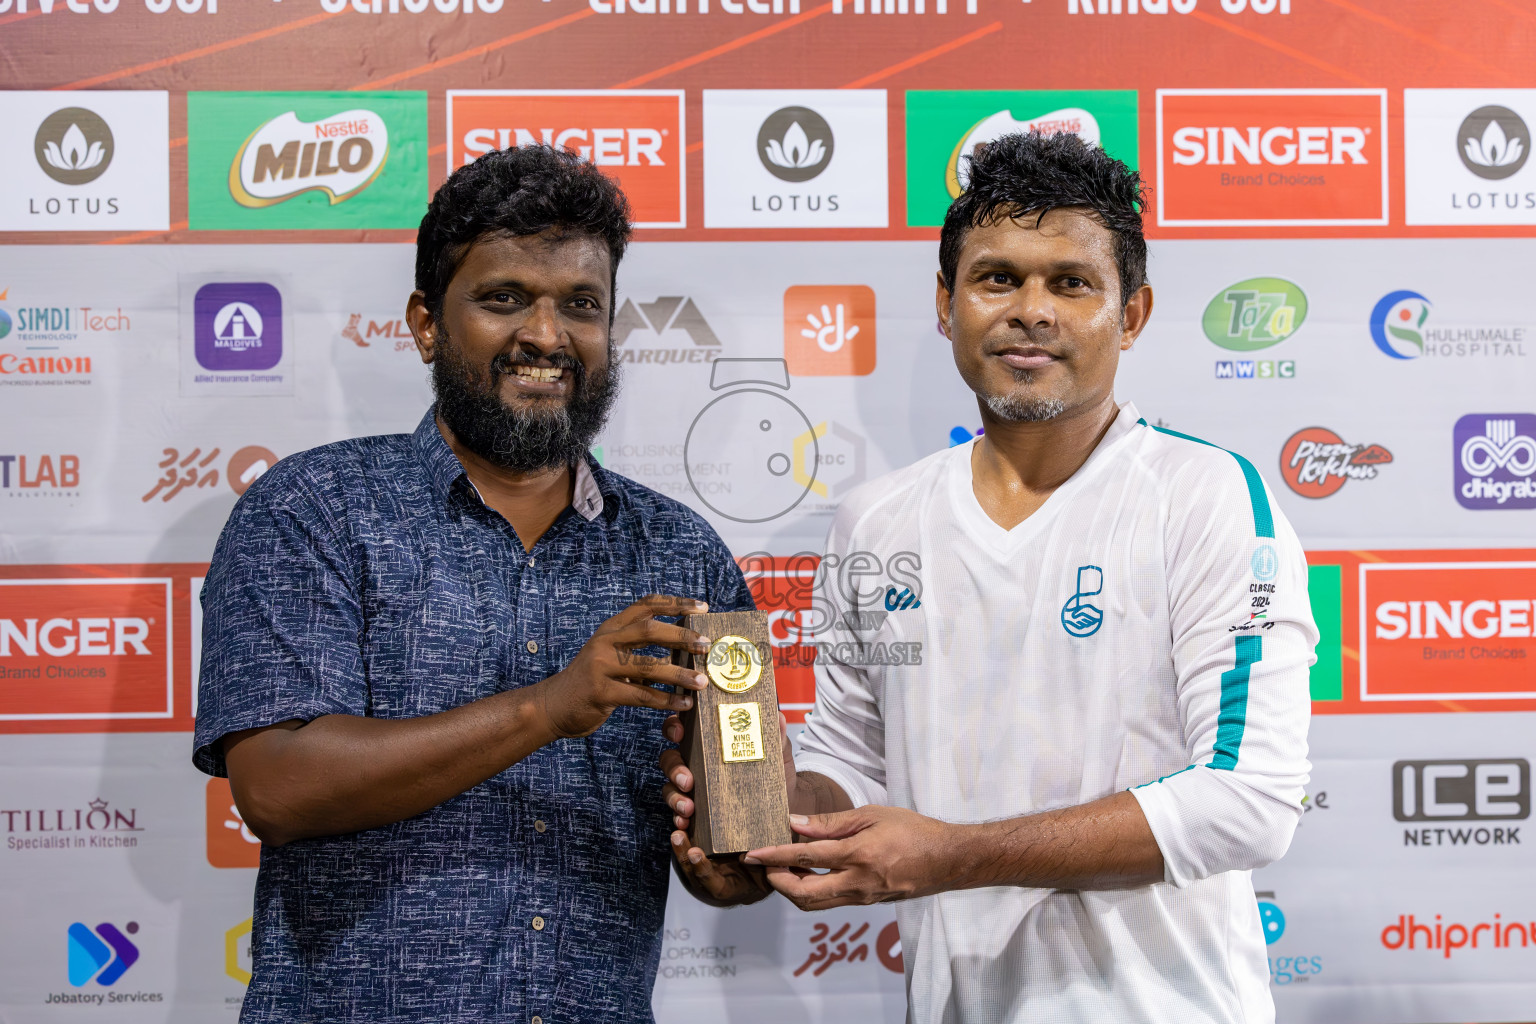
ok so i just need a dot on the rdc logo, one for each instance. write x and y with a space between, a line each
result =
1078 616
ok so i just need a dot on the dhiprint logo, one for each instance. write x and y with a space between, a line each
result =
73 146
1254 314
1493 142
103 954
1265 563
1496 460
795 144
1078 616
829 330
1397 324
238 326
1316 462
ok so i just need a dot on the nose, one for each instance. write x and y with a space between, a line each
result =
538 331
1034 306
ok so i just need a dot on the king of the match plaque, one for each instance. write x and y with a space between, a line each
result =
731 737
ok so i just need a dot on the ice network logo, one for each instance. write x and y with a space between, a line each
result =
1493 142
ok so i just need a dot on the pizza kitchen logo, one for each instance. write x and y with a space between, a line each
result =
1316 462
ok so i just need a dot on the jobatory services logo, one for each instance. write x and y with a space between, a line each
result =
85 648
829 330
1439 798
635 137
100 161
1447 631
1316 462
102 954
667 329
1495 457
946 128
1260 157
268 160
786 158
1468 153
1404 326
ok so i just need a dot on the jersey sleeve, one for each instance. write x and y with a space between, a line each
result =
1243 642
844 736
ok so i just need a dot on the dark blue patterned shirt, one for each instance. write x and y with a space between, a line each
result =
368 578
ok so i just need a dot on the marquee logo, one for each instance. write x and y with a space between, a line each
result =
102 954
73 146
1496 460
261 160
1493 142
286 157
1254 314
1254 157
1316 462
946 128
635 137
670 318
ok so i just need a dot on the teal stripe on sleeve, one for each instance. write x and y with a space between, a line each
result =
1263 518
1234 704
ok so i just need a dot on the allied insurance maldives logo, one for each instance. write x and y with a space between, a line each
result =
306 160
635 137
1257 157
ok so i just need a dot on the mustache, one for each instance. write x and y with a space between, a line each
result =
505 361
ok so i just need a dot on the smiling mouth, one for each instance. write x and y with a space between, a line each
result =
538 374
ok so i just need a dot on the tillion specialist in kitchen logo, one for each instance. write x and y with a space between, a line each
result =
257 161
1316 462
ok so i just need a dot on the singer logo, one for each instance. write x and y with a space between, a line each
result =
1254 157
1454 631
829 330
85 649
634 137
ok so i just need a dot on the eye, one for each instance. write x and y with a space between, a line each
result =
1073 282
584 302
504 298
1000 278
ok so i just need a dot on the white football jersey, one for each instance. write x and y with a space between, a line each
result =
1147 628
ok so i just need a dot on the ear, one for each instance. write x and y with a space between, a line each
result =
1135 316
423 327
943 304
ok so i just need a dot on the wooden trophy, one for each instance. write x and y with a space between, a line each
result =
731 737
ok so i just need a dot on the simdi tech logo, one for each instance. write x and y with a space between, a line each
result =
946 128
316 160
1261 157
795 158
636 137
1468 156
1495 460
1404 326
99 161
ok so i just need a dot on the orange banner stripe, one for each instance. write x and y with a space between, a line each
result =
204 51
1423 38
476 51
927 55
1513 9
144 236
735 44
8 19
1263 40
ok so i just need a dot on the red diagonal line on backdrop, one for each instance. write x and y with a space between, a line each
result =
927 55
1289 51
734 44
140 236
19 17
204 51
1421 37
476 51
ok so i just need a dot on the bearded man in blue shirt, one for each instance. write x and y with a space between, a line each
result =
419 662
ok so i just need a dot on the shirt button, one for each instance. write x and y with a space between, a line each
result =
539 826
537 1020
538 924
533 646
530 562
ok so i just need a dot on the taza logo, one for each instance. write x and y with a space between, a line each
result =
1493 142
339 155
73 146
1316 462
795 144
1254 314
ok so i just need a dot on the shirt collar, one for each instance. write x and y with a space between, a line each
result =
589 497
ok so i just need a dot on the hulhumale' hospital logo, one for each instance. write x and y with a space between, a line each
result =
104 954
1397 324
73 146
1496 460
795 144
1078 616
339 156
238 326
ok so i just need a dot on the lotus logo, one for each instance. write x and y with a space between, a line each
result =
1493 142
1075 120
795 144
73 146
338 156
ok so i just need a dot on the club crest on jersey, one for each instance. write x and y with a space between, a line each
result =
1265 563
1079 617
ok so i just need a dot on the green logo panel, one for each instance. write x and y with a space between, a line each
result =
261 161
1254 314
943 128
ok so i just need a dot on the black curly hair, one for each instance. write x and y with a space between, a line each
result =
1030 173
522 191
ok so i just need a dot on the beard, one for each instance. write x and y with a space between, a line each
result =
1017 408
551 436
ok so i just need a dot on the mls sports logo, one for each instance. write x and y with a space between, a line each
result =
1078 616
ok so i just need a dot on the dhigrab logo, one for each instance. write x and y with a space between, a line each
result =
1495 465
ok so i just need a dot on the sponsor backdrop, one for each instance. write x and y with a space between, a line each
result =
207 213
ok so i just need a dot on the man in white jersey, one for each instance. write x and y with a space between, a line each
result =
1107 728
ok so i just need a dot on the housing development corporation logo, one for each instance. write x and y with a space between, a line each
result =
945 129
1255 157
1402 327
73 146
1316 462
261 160
1495 460
1468 156
829 330
795 144
634 136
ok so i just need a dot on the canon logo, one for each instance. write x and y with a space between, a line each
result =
1280 145
1428 620
61 638
605 147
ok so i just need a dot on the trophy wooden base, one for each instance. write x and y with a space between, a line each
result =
731 738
